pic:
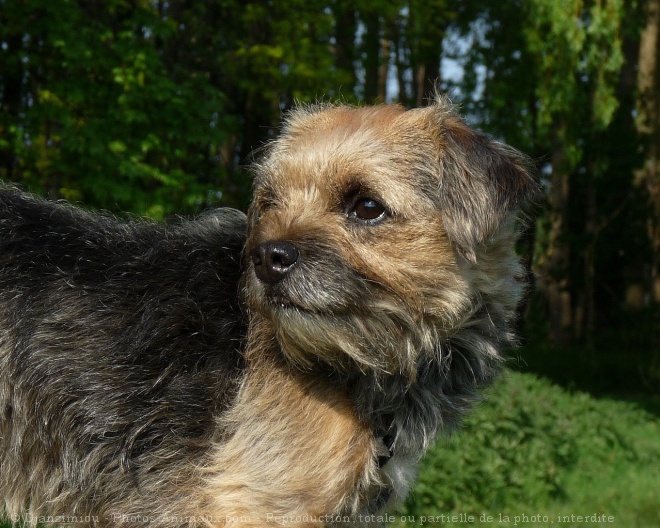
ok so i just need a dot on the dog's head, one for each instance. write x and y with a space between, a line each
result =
376 234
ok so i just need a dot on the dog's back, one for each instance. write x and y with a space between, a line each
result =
119 344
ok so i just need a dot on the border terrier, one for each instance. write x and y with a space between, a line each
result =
290 368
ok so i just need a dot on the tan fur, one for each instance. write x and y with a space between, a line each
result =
297 452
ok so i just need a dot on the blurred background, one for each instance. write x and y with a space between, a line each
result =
157 107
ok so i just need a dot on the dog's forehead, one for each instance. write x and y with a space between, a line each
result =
336 146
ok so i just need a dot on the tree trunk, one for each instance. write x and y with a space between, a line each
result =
345 28
587 324
430 23
427 77
10 102
372 47
556 276
383 70
648 126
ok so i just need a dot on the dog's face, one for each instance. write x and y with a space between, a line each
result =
367 230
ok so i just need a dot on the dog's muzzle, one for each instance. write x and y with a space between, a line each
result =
273 260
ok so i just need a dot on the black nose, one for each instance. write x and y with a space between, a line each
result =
273 260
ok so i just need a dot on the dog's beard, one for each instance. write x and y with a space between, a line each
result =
352 324
378 339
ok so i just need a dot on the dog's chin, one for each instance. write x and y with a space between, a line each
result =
282 304
283 301
277 305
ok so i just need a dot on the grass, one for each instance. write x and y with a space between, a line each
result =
534 454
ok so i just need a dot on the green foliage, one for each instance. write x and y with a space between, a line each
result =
577 46
533 447
146 107
287 47
102 118
561 62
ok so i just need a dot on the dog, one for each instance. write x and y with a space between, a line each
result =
288 368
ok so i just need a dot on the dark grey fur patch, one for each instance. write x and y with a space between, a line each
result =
120 342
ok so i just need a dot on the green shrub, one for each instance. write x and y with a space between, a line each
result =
530 444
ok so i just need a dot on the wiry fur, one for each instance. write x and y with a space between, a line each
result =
130 386
119 345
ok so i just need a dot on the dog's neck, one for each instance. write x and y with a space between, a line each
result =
409 415
403 417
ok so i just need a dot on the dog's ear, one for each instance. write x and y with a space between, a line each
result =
482 181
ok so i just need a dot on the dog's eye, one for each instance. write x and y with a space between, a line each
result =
368 209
